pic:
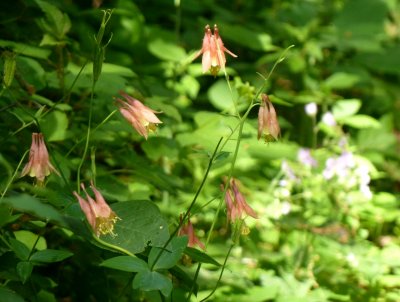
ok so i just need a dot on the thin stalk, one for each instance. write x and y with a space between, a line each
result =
78 174
13 176
191 205
220 275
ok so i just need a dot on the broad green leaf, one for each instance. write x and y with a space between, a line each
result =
345 108
158 147
126 263
54 126
148 281
141 224
29 204
56 23
170 255
20 249
341 80
25 49
361 121
50 256
221 97
166 50
200 256
250 38
7 295
31 240
24 270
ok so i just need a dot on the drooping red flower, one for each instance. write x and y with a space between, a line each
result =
268 125
188 230
236 205
141 117
39 165
98 213
213 51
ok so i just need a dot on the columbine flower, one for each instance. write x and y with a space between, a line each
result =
267 121
304 156
188 230
98 213
236 205
311 109
213 51
142 118
39 165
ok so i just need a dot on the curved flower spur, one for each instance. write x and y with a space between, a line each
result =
141 117
213 51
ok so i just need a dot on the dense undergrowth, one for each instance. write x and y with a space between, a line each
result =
195 191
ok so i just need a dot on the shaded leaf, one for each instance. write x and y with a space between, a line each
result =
50 256
126 263
141 224
200 256
170 255
148 281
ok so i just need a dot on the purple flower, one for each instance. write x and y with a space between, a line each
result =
339 166
329 119
304 156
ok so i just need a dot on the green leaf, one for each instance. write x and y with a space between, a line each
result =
200 256
24 270
341 80
54 126
31 240
25 49
249 38
148 281
28 204
56 23
345 108
361 121
220 96
166 51
126 263
141 224
6 295
20 249
50 256
170 255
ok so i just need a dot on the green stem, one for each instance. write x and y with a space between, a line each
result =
93 131
220 275
13 176
191 205
78 175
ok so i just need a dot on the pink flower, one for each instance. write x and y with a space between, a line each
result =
237 207
39 165
98 213
142 118
268 125
213 51
188 230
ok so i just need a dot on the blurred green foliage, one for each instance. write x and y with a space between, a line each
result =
328 225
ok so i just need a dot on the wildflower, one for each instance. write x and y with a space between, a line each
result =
237 206
188 230
311 109
339 166
304 156
328 119
98 213
267 121
142 118
39 165
213 51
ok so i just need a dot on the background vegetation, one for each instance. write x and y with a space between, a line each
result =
326 193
